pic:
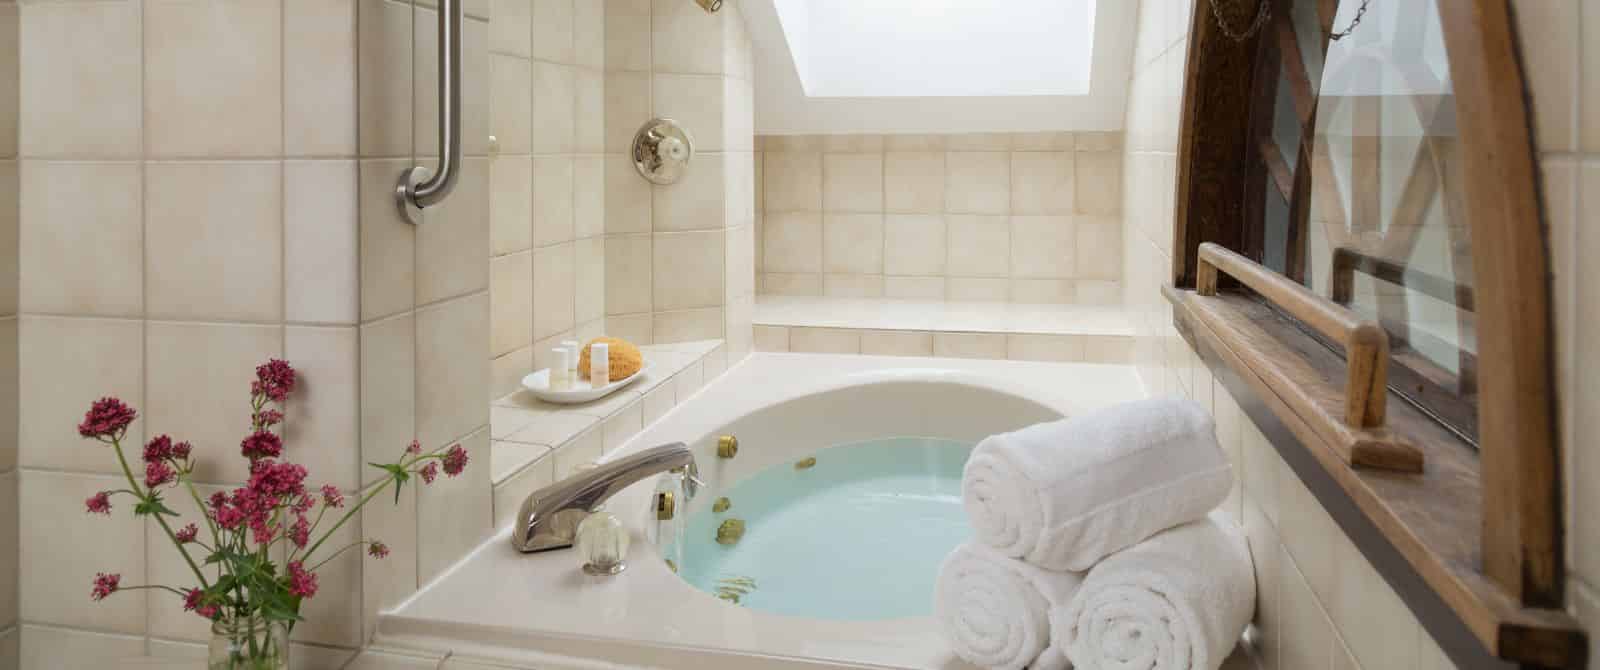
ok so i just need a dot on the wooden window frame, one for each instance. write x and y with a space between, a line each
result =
1501 579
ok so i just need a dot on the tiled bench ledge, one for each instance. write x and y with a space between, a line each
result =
535 442
1055 333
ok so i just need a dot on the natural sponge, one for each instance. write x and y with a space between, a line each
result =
625 358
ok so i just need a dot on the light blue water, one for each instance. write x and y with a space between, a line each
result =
857 537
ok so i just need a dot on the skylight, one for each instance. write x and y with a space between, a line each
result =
940 48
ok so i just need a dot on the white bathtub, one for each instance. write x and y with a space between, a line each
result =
540 610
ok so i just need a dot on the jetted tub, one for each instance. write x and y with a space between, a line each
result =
888 435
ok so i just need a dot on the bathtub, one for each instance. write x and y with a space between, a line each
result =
540 610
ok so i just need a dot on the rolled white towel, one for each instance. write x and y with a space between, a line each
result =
1064 495
995 610
1178 601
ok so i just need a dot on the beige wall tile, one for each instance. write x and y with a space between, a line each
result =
628 198
452 370
628 274
384 79
824 341
80 74
687 270
1098 237
627 34
918 288
589 298
554 290
388 244
687 325
1042 182
793 242
511 102
55 564
555 88
979 142
80 234
697 202
852 286
198 383
1044 247
852 182
454 239
214 236
321 242
978 289
686 39
552 30
792 284
977 182
696 101
553 221
914 244
627 107
622 426
323 428
385 583
896 343
511 27
1307 635
660 401
590 121
589 196
10 392
9 540
319 86
230 56
510 204
1099 182
1551 68
1044 291
914 182
770 338
589 34
979 246
510 303
852 243
793 181
1042 141
458 512
1108 349
969 345
66 364
1055 348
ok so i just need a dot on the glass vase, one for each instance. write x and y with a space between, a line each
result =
248 644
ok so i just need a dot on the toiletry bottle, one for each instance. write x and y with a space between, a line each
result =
559 380
599 364
572 363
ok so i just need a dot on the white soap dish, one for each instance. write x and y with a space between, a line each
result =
580 391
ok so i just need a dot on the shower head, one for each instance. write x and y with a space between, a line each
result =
709 5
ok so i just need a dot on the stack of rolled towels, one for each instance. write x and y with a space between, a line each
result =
1097 546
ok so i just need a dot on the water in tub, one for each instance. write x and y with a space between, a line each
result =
856 534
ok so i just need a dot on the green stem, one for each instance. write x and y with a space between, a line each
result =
116 446
336 554
353 509
152 586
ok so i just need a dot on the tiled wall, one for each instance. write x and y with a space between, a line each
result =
9 633
547 199
1030 218
1322 605
205 184
680 258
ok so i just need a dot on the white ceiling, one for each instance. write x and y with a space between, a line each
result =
940 66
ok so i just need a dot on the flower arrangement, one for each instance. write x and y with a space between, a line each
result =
275 516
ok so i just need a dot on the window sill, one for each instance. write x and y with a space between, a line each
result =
1421 531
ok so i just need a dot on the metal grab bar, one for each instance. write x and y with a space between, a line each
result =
420 187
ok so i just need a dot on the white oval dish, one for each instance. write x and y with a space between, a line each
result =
538 384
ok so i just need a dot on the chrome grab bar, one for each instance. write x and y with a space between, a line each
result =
420 187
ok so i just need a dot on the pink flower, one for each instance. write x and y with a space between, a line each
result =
429 472
378 550
270 417
226 512
158 449
273 480
99 503
208 611
194 601
107 417
301 582
261 531
261 444
274 379
455 460
331 496
300 533
303 504
158 474
187 534
414 448
181 450
104 585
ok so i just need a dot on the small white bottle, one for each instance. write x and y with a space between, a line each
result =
559 379
572 363
599 364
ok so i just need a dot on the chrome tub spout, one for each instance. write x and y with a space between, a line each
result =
550 516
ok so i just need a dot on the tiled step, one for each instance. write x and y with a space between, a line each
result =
1056 333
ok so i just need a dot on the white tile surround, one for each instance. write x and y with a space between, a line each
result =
1019 217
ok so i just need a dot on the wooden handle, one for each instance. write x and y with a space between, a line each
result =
1366 345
